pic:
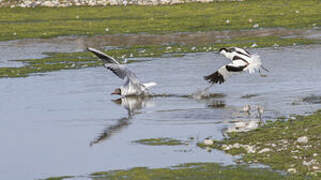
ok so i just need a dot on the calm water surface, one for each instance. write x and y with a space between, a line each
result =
66 122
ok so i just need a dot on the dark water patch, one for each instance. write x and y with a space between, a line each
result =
192 96
313 99
217 104
248 96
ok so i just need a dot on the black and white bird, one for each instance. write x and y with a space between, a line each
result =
242 61
132 86
232 52
235 53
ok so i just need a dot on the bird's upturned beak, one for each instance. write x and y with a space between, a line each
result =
264 69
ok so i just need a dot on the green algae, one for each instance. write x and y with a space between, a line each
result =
77 60
277 144
164 141
201 171
59 178
43 22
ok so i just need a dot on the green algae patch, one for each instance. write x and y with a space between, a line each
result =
292 145
164 141
44 22
77 60
59 178
200 171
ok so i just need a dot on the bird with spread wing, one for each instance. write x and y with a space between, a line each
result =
242 61
133 86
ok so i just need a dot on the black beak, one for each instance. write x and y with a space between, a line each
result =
264 69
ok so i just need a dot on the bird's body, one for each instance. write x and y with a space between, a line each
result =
230 53
242 61
132 86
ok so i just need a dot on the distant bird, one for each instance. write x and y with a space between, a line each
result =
260 111
132 86
241 59
247 108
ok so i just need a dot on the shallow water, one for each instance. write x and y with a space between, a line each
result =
35 48
60 123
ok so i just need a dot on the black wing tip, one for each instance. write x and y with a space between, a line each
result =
214 78
90 48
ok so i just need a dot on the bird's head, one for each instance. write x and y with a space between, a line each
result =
117 91
222 51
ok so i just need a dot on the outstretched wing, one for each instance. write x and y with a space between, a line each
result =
122 72
224 72
119 70
103 56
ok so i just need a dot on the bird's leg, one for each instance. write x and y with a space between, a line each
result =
206 89
264 69
261 74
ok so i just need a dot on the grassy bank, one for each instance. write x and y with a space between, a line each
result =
201 171
41 22
292 145
60 61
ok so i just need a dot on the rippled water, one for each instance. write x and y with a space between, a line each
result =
67 123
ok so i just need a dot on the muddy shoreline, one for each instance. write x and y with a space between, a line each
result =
183 38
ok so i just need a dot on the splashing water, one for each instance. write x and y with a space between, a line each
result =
200 94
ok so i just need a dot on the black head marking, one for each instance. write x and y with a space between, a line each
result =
223 49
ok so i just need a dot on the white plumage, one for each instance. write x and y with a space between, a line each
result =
241 59
132 85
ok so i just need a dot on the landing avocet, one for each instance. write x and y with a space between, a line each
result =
132 86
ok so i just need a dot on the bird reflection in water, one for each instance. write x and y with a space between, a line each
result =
247 125
133 105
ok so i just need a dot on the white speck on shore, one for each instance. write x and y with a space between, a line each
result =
256 25
208 142
308 163
302 139
254 45
292 170
264 150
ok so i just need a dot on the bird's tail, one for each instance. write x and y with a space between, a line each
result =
254 64
150 84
